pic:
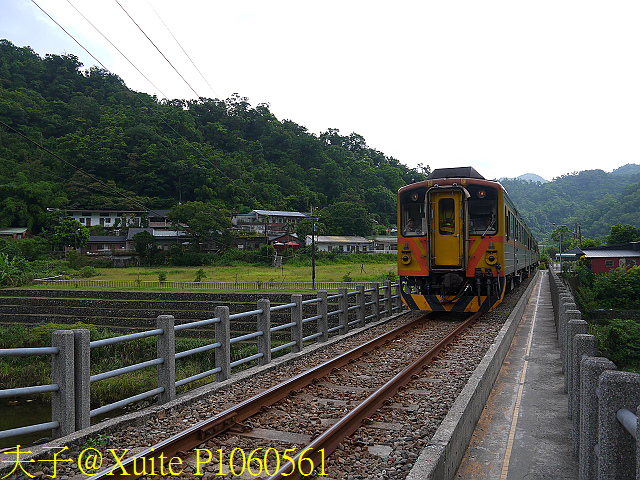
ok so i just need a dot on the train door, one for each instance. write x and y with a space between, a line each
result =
446 225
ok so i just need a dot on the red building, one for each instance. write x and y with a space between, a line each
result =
609 257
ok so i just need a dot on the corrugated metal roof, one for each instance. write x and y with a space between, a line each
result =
611 253
13 230
340 239
279 213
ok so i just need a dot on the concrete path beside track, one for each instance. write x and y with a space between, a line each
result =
524 432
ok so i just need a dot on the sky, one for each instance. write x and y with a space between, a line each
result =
508 87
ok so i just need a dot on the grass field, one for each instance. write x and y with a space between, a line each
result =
324 273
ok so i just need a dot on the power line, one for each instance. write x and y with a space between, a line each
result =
118 50
184 51
153 110
156 47
63 29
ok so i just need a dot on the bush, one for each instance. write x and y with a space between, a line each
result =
89 271
619 341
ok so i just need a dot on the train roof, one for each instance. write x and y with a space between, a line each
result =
457 172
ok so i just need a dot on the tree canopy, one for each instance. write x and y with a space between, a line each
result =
113 148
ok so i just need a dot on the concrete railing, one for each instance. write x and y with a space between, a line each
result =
71 377
603 403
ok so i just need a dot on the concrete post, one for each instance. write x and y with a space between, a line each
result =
82 381
399 296
296 318
343 306
264 325
62 374
583 346
375 298
360 300
574 327
322 309
223 335
387 298
616 390
590 370
166 348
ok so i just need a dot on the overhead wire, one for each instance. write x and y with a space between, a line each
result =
156 47
183 50
153 110
117 49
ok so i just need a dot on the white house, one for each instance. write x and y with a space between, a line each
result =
337 243
275 221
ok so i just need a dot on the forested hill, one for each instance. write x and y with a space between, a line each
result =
593 198
119 149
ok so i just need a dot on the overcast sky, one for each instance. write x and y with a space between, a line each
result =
509 87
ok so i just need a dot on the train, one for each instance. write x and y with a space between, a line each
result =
462 244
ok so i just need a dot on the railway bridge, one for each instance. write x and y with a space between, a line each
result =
515 416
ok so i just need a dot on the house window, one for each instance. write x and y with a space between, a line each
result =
608 263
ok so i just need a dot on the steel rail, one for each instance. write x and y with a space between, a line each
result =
326 443
211 427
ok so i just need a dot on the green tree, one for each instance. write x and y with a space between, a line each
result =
71 233
347 218
623 234
202 221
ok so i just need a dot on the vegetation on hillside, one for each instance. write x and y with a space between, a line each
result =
592 199
112 148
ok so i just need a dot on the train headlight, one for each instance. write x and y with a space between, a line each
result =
405 255
492 254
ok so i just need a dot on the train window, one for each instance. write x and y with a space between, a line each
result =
446 219
483 208
507 218
412 213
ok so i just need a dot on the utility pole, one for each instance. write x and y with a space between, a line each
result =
313 251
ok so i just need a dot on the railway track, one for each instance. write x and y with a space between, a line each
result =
291 429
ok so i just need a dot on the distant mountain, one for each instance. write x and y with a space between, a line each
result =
628 169
532 177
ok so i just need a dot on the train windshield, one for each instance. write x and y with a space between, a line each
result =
413 221
483 208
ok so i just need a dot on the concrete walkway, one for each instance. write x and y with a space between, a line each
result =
524 432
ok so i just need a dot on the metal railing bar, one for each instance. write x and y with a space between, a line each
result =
311 319
18 392
125 338
282 307
123 370
193 351
248 336
311 300
236 316
126 401
628 420
282 347
40 427
193 378
282 327
23 352
312 337
246 360
199 323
